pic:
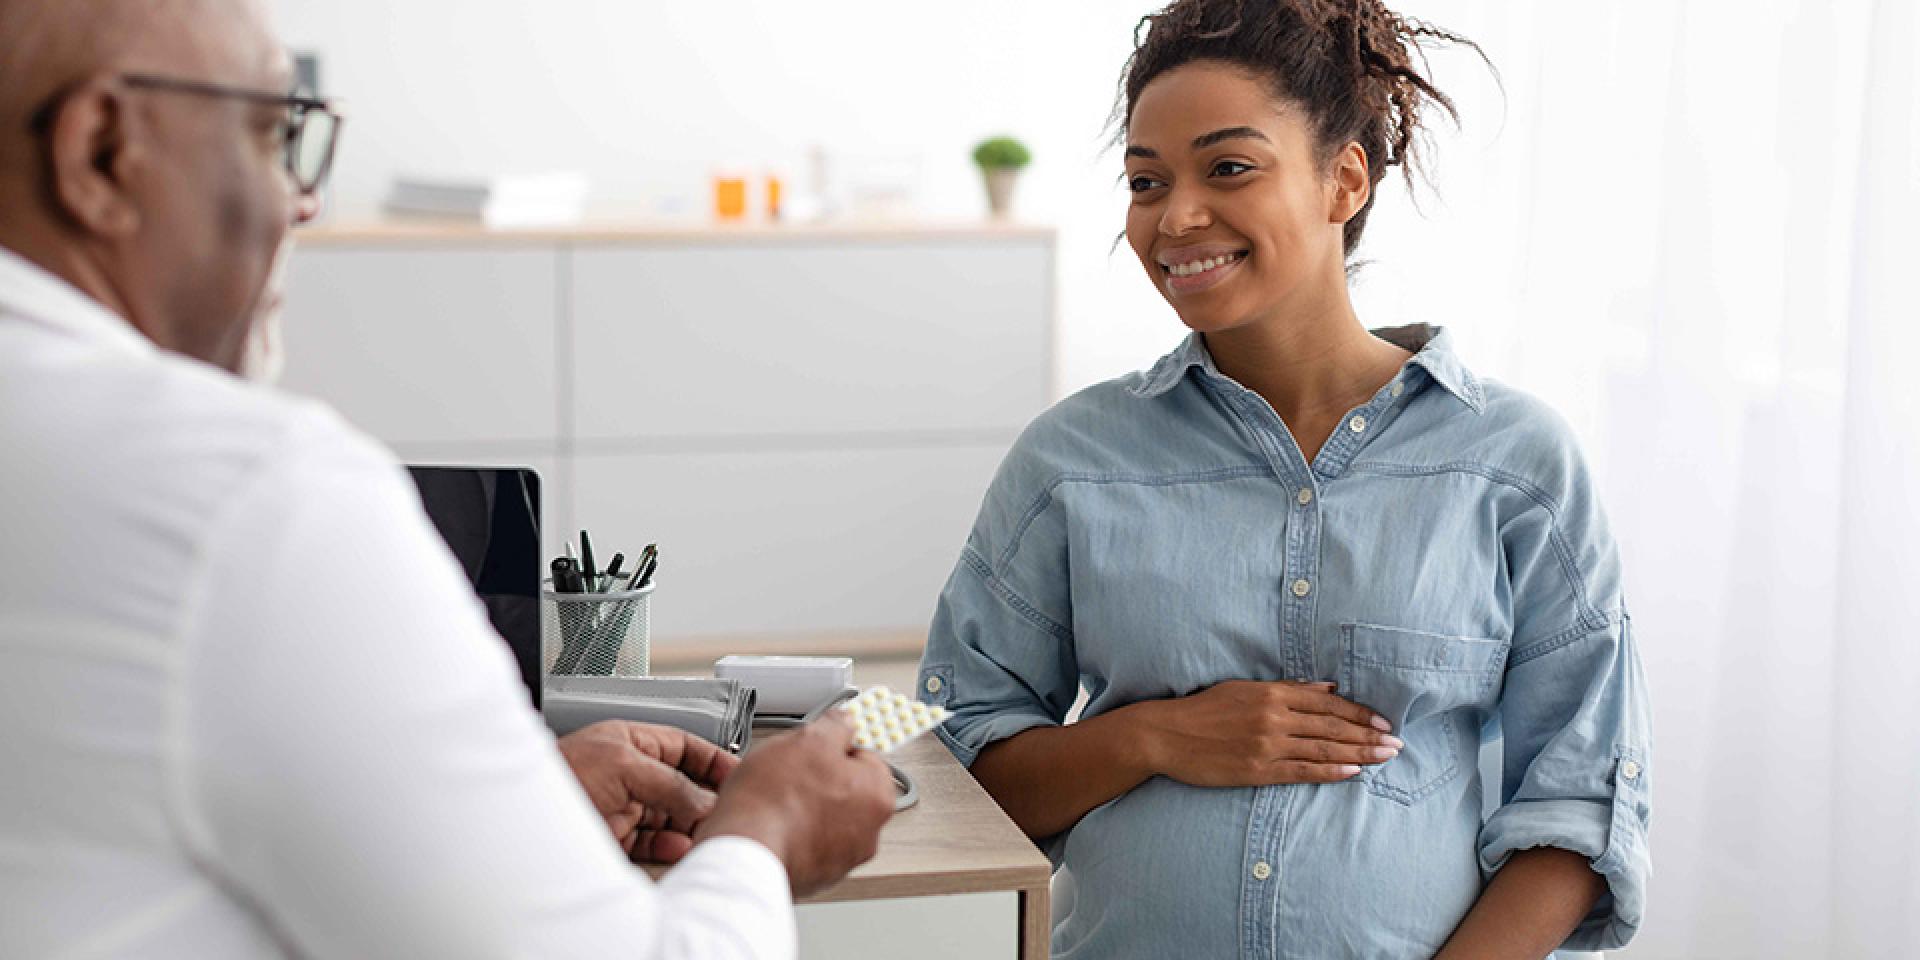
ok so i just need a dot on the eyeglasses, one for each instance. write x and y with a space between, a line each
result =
312 124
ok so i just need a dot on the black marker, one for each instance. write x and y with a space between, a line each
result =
587 569
566 577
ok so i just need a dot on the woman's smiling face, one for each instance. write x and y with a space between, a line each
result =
1234 216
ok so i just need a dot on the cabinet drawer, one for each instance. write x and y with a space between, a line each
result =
789 542
939 337
427 346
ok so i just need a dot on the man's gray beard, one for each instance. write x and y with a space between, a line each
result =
263 358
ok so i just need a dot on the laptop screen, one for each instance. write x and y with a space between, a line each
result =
490 517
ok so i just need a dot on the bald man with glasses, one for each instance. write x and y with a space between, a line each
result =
249 706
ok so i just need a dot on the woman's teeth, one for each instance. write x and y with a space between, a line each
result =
1202 266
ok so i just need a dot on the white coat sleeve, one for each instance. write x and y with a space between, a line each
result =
352 753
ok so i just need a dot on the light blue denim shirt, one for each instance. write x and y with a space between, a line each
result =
1443 560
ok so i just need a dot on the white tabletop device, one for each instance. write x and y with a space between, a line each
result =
788 686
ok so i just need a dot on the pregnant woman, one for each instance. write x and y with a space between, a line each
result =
1300 568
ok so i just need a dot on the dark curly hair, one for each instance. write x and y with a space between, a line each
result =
1349 63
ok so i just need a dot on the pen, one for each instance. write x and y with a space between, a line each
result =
576 637
613 572
587 568
647 556
646 572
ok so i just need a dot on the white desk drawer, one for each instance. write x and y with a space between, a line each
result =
789 542
428 346
743 340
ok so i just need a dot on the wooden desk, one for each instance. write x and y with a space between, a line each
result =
955 840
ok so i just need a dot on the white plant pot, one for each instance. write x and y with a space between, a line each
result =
1000 184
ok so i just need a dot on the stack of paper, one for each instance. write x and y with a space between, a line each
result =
554 199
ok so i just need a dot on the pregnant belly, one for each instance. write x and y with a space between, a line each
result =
1153 874
1170 870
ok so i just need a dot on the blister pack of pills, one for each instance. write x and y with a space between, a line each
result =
884 720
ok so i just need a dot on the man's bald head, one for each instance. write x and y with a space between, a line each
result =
48 46
125 170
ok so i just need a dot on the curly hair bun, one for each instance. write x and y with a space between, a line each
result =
1357 68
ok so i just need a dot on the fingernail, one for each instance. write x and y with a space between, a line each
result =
1394 742
1349 770
1385 753
1380 723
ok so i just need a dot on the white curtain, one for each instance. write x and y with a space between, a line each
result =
1695 228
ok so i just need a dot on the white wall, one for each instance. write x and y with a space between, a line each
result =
649 97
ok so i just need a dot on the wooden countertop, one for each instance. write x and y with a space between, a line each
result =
662 233
955 840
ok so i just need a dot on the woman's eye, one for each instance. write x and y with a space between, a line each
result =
1142 184
1230 168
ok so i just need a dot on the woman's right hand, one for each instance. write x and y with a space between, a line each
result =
1247 733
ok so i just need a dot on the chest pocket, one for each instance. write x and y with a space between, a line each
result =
1422 683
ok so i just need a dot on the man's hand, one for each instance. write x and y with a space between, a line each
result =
653 784
812 799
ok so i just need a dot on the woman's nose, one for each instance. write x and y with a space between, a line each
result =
1184 215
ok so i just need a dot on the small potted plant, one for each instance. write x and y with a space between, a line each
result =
1000 160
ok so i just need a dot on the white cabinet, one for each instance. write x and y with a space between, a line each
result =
963 926
428 346
803 420
791 541
782 340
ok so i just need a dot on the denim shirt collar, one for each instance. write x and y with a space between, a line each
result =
1432 351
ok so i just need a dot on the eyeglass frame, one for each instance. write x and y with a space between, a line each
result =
296 105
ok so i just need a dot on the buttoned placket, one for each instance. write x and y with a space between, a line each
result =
1301 550
1268 820
1262 871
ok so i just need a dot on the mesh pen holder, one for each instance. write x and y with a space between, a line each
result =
594 634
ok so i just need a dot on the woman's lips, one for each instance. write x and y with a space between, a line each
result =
1205 279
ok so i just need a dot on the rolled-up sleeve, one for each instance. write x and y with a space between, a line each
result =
1577 771
1000 652
1577 767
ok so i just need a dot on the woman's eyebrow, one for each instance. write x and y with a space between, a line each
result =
1229 133
1204 141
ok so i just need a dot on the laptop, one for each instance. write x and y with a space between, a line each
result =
490 518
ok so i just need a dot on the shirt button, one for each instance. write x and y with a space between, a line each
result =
933 684
1262 870
1306 496
1399 388
1301 588
1630 770
1358 424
